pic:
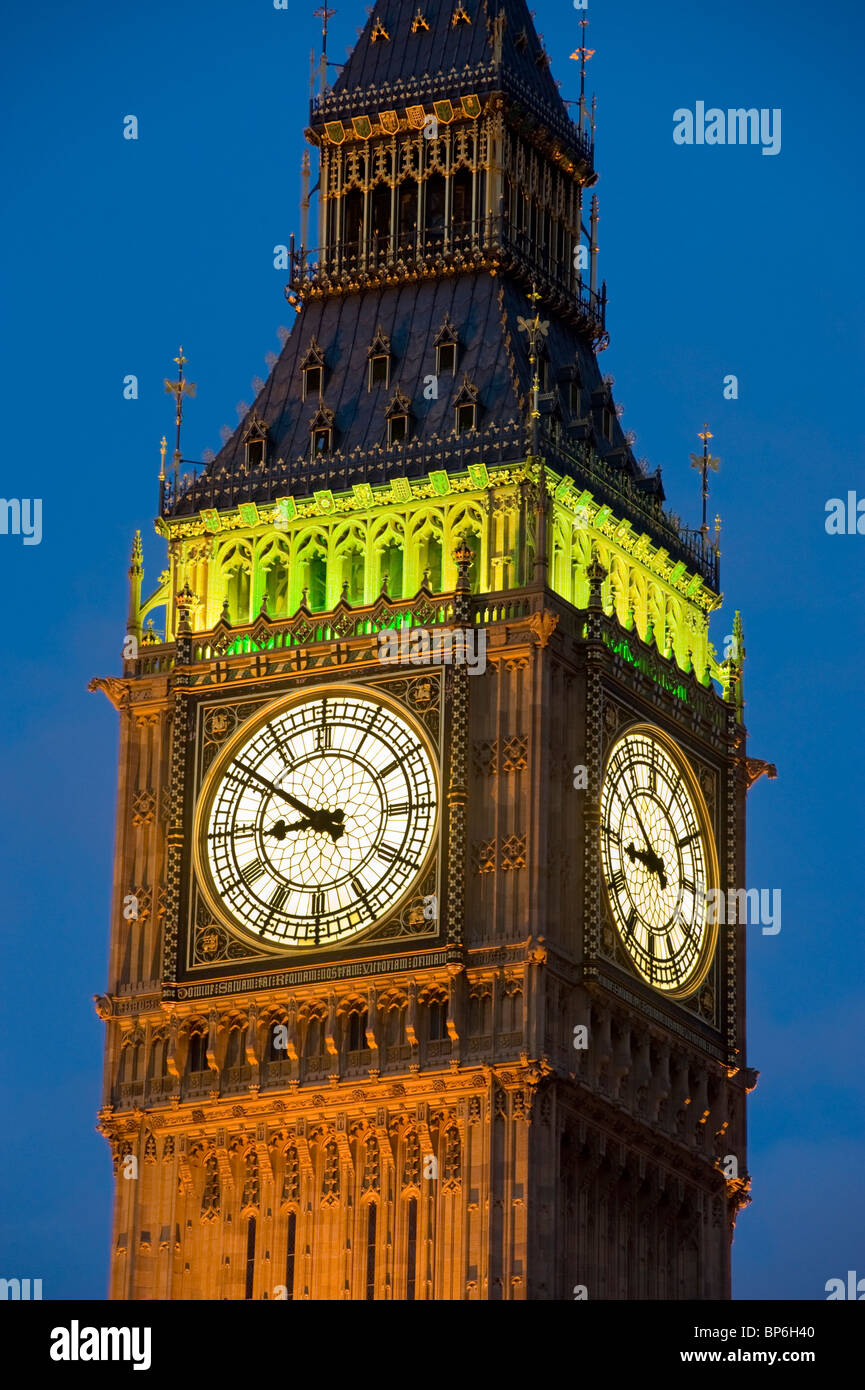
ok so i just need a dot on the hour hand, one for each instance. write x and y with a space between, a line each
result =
652 861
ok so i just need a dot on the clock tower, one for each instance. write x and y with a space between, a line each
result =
430 778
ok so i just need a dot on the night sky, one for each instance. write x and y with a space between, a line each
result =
719 260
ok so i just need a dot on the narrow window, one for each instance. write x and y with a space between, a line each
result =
447 358
411 1252
254 453
465 418
250 1257
575 400
311 381
290 1256
372 1212
321 441
356 1031
397 429
197 1053
379 371
438 1011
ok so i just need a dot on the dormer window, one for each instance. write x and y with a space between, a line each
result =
379 360
312 368
460 16
321 431
466 408
575 398
255 443
379 370
379 33
419 23
398 419
521 42
446 343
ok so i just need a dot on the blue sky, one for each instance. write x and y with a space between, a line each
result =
718 260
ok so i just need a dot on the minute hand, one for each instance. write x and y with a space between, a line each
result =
642 827
272 787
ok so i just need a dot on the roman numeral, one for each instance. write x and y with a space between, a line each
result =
369 727
631 922
324 737
618 882
389 854
279 896
386 771
686 839
251 872
317 907
361 892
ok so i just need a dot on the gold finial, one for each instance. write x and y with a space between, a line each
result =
178 389
163 450
703 462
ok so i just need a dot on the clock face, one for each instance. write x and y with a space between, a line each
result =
659 861
317 820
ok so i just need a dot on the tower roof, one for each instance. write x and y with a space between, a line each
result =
398 59
437 240
445 42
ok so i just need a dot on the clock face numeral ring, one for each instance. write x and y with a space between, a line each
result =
659 861
318 819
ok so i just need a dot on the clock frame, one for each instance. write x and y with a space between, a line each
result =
670 949
352 697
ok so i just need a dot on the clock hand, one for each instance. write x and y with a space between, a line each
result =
327 822
640 822
652 861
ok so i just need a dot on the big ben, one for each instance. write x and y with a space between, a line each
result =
416 990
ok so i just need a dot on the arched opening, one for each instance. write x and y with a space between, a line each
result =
407 214
277 589
197 1058
353 572
431 560
315 583
435 210
353 222
391 569
381 219
237 593
462 203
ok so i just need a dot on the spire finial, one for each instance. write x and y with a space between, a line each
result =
324 14
178 389
535 329
583 55
703 463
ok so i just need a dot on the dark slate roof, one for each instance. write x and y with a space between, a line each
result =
447 61
492 356
443 47
484 309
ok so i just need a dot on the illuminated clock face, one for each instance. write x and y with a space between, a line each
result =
659 860
317 821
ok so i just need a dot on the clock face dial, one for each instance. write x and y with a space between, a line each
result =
659 860
317 820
